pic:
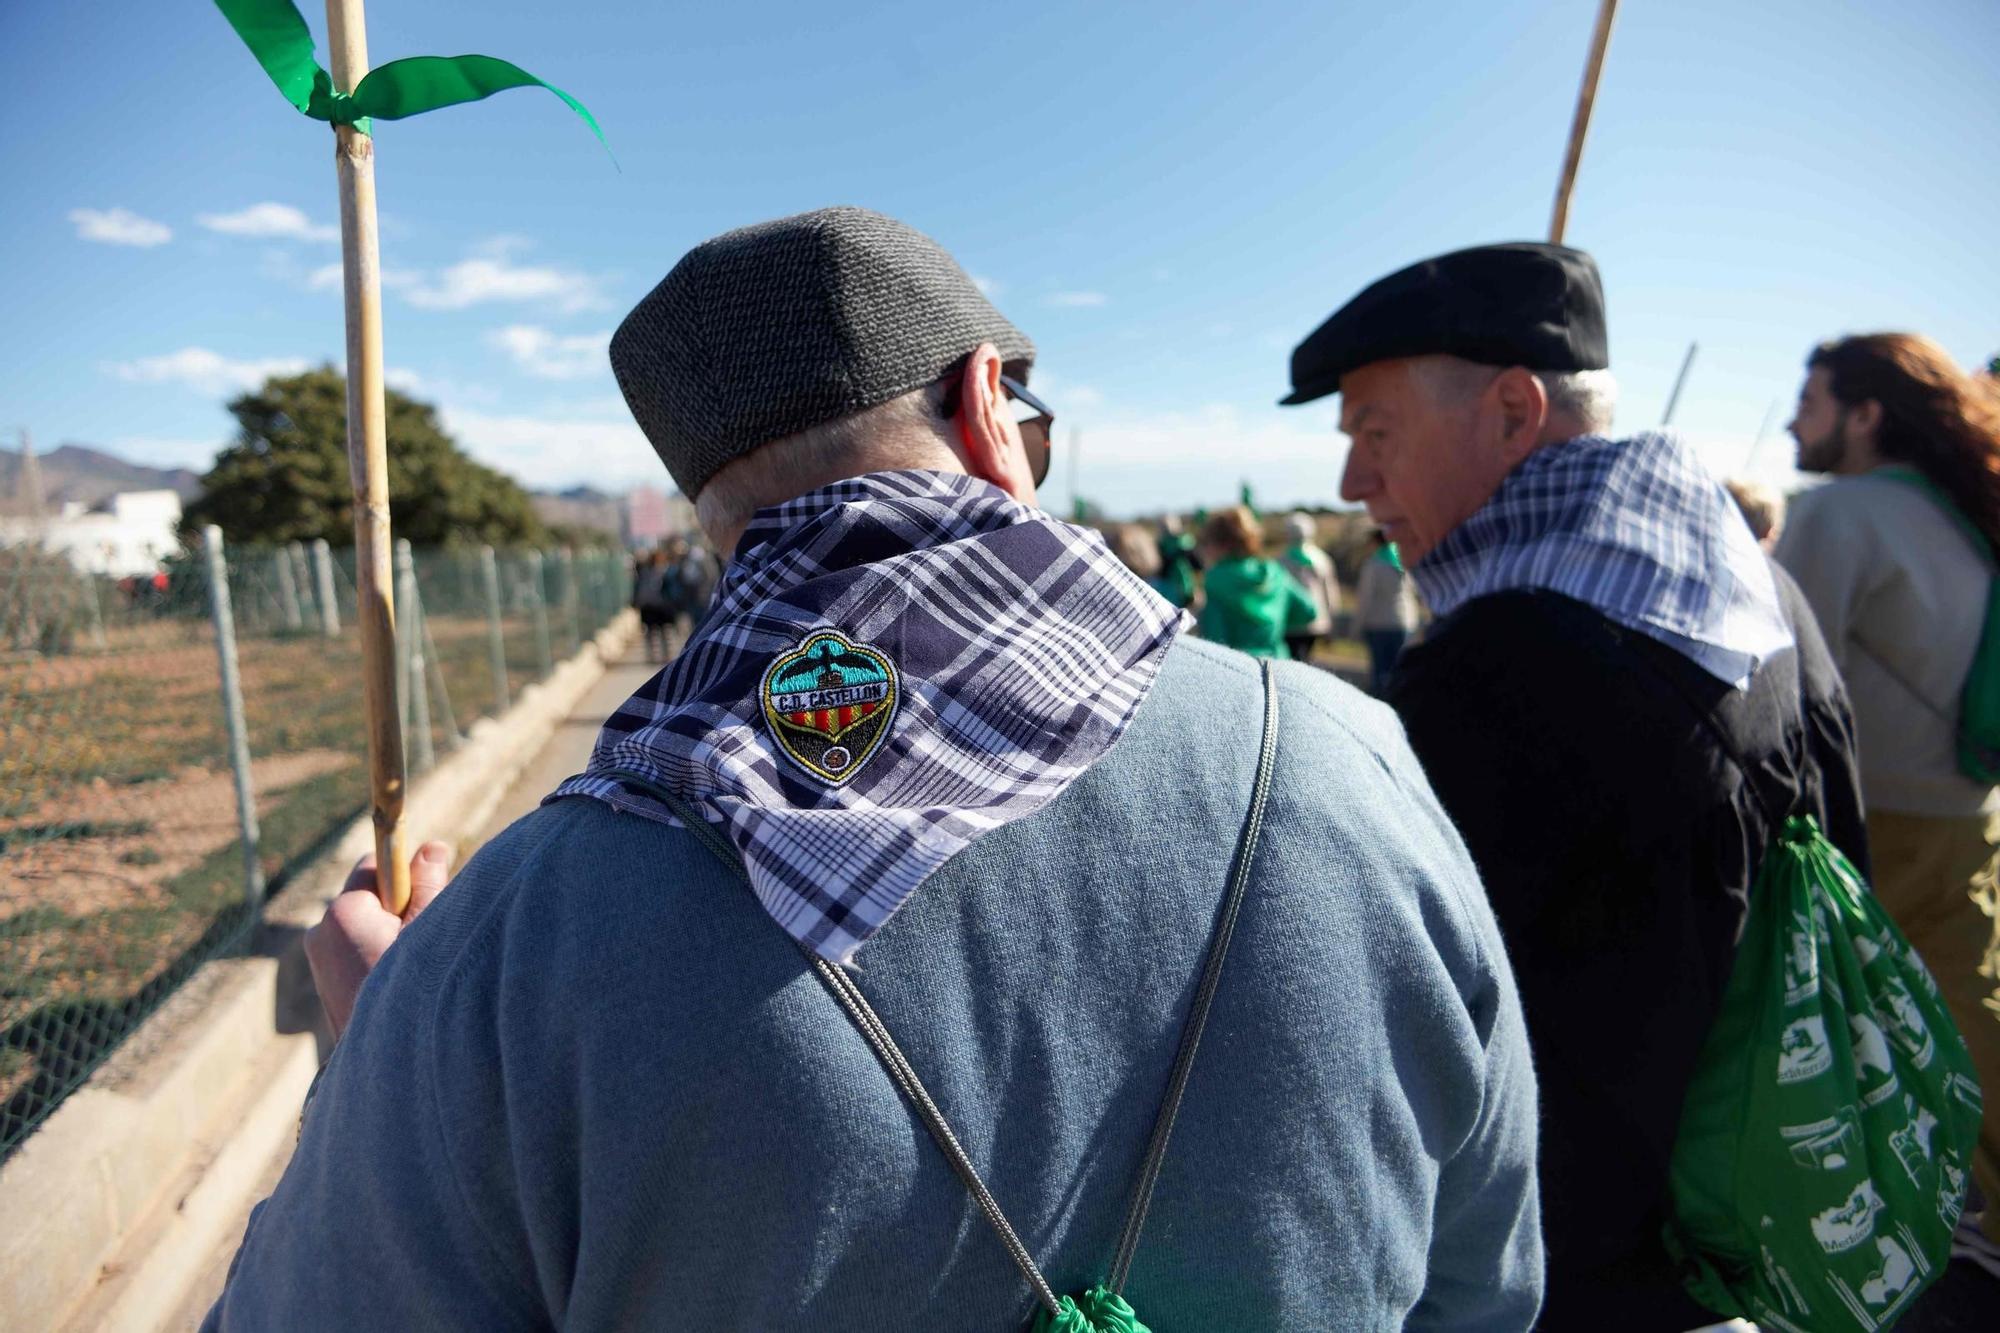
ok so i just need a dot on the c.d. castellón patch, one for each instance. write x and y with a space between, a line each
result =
829 703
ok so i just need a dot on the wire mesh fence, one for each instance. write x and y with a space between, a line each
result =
124 861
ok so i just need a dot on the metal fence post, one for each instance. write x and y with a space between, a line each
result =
567 559
541 615
329 610
295 559
412 684
288 591
427 643
97 639
496 644
232 711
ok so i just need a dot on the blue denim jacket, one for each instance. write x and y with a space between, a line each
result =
595 1087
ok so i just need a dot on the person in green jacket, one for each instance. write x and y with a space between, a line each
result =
1175 579
1252 603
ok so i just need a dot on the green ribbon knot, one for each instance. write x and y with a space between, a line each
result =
277 35
1099 1310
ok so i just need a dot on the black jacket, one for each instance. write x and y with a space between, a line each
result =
1618 842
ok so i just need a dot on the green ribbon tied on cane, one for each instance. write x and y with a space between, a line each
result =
277 35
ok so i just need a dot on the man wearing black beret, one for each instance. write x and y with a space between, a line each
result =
939 796
1609 643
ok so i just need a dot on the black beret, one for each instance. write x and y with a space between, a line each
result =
770 330
1522 304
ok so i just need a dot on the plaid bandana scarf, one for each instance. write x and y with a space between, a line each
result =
893 665
1635 528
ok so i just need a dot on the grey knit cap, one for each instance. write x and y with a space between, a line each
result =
769 330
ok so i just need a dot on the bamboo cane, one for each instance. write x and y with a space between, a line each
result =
368 459
1580 124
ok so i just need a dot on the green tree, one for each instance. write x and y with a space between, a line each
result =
285 478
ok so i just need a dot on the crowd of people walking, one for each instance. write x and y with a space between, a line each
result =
950 930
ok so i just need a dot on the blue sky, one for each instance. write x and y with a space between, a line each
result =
1166 198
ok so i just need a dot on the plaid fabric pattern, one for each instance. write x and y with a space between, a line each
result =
1023 646
1636 528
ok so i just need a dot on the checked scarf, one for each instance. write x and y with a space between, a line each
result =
1637 529
1017 649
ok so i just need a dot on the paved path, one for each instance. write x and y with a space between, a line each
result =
566 753
569 749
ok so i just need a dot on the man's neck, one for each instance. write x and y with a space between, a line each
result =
1859 456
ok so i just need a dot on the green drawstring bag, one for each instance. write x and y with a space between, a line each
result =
1099 1310
1820 1165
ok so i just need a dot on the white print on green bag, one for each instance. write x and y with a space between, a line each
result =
1964 1088
1892 1279
1897 1012
1781 1282
1892 1282
1912 1143
1801 961
1802 1049
1846 1225
1828 1144
1951 1191
1871 1051
1915 966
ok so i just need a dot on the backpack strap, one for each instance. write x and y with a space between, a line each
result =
900 1072
1913 477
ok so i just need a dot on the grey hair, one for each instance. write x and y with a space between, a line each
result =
1589 397
906 432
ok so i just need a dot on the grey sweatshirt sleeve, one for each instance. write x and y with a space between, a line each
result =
1486 1241
1484 1264
369 1228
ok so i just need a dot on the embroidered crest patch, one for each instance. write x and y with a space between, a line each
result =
829 702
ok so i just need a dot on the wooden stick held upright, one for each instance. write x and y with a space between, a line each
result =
368 459
1580 125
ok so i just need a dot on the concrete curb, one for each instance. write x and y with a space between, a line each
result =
140 1172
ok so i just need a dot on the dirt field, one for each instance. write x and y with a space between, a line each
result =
120 865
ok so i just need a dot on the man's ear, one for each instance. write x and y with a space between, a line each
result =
987 438
1867 417
1524 410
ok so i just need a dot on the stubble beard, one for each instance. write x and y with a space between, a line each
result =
1825 453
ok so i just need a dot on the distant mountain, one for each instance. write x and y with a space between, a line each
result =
580 507
86 475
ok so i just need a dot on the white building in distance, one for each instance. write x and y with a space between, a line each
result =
128 533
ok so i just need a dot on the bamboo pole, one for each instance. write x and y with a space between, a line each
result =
368 459
1580 124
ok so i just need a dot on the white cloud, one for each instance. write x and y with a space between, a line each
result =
165 451
329 277
1082 396
118 226
559 449
209 372
476 281
1077 300
403 381
553 356
986 285
503 246
269 220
